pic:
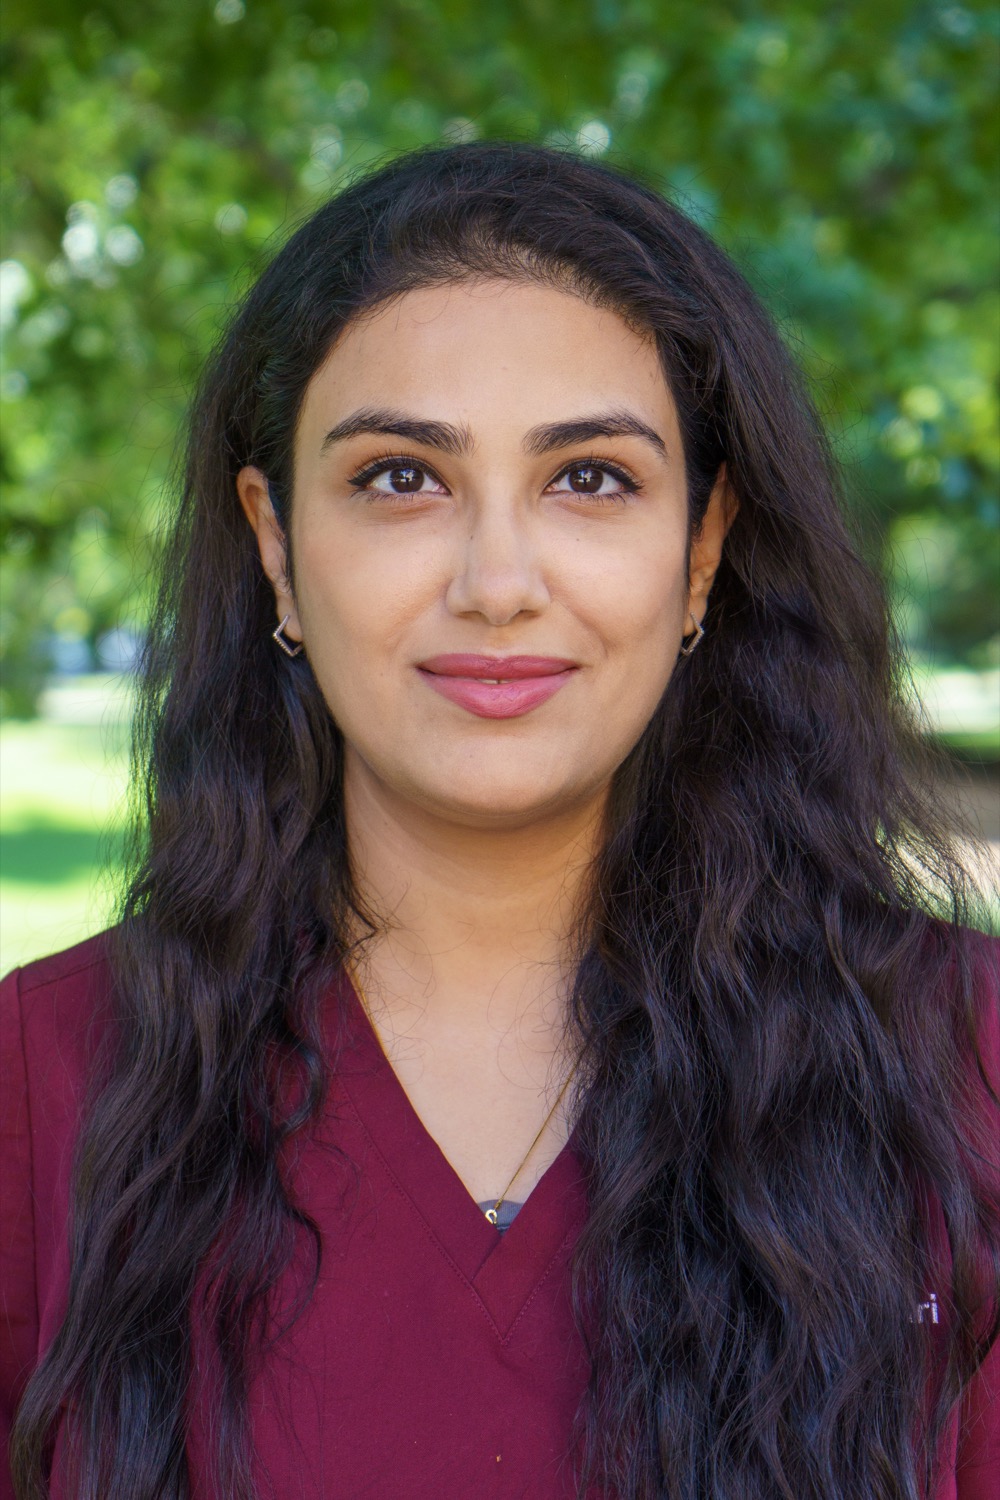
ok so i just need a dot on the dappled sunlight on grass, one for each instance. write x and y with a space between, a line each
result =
48 853
61 804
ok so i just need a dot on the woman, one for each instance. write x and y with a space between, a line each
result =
527 1063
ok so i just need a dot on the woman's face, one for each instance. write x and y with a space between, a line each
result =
489 484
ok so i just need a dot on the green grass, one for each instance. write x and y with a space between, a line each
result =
61 800
981 746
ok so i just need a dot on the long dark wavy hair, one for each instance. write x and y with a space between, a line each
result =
776 989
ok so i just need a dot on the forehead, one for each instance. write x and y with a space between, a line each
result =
489 353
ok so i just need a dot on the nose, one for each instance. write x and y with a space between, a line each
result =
499 573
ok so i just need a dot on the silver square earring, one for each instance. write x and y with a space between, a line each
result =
699 632
293 648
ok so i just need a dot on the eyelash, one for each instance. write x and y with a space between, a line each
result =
363 478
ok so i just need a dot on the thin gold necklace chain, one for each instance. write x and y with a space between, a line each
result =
490 1213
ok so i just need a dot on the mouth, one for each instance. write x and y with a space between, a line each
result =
493 687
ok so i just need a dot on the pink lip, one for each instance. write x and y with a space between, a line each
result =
525 682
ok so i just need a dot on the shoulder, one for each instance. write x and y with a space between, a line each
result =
967 1001
63 995
967 991
986 983
979 960
77 967
53 1014
972 971
55 1011
964 945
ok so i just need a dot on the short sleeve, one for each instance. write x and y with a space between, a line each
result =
18 1293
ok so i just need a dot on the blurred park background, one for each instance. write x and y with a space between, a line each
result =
154 156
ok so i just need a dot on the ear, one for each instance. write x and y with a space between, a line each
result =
255 498
706 544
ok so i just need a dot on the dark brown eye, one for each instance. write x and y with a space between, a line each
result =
406 481
397 477
585 479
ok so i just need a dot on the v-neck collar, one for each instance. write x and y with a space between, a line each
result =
504 1270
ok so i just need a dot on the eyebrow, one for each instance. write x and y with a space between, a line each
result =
582 429
381 422
458 440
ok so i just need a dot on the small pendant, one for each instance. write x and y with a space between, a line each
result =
491 1214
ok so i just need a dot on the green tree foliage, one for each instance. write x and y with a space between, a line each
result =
154 155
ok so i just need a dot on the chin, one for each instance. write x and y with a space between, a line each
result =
509 790
501 802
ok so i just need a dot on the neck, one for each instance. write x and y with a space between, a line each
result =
476 923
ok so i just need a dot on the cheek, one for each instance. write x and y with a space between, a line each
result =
355 605
637 600
638 612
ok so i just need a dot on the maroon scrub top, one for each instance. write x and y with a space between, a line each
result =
436 1360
